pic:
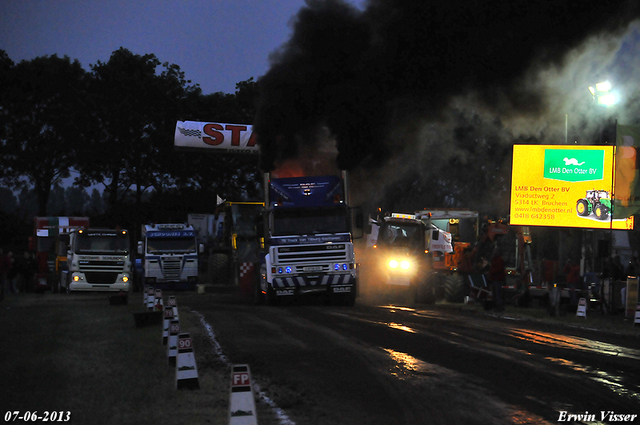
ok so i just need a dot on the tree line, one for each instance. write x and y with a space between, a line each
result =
112 127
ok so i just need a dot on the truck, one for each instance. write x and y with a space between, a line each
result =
451 268
404 251
49 245
308 231
235 244
444 253
98 260
169 256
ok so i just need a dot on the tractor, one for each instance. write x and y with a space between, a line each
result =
597 202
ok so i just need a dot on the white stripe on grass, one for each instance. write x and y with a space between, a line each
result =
278 412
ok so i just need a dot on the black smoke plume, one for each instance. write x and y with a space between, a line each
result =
404 78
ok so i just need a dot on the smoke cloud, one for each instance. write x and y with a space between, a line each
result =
428 97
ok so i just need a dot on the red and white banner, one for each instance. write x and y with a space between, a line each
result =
232 138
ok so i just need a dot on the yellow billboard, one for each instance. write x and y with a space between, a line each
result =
564 186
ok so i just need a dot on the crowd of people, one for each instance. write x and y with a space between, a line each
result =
17 274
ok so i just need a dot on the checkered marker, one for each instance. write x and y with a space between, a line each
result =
245 268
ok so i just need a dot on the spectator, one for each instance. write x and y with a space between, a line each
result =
12 275
497 276
27 268
32 270
5 266
634 267
573 279
618 269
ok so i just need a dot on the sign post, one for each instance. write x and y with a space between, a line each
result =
242 405
186 369
172 344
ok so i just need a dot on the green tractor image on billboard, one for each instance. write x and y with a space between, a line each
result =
597 202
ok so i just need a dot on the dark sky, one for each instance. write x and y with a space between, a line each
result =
218 43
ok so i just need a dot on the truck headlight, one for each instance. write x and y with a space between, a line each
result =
125 279
393 264
405 264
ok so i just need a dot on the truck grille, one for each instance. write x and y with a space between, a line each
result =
98 271
101 277
171 268
312 253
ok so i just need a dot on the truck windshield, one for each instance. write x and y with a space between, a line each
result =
401 235
166 245
102 243
294 221
244 218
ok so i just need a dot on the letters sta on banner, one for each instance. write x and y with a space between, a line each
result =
236 138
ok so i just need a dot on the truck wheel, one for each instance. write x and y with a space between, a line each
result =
454 288
424 290
258 296
432 287
349 298
582 207
271 297
219 268
62 284
601 212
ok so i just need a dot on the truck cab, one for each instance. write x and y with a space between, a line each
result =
169 256
308 237
99 260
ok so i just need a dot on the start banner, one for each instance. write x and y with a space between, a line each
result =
231 138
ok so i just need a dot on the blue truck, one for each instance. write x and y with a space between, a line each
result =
168 256
308 227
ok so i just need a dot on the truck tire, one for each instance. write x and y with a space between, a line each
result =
219 268
348 299
271 297
425 292
63 285
454 288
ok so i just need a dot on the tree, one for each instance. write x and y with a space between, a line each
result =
8 201
40 114
133 116
95 206
76 200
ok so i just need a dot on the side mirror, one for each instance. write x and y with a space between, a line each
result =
200 248
140 247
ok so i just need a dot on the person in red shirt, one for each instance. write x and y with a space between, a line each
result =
572 273
497 277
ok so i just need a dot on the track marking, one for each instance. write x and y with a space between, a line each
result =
277 411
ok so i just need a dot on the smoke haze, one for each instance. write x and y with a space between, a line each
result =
427 98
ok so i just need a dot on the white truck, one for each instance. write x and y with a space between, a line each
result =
98 260
169 256
308 239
